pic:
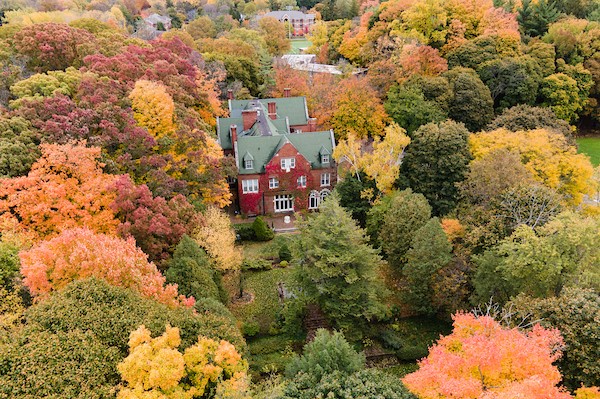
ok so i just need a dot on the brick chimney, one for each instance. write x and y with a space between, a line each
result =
286 92
233 130
229 94
272 107
312 124
249 116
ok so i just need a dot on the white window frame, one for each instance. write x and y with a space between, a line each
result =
283 203
249 186
314 200
301 181
325 179
273 183
325 158
288 163
248 164
324 193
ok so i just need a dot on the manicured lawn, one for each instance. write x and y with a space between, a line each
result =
591 147
298 44
262 285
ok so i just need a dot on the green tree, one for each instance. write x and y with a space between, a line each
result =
338 268
565 252
525 117
18 147
190 269
407 106
356 196
535 17
511 81
327 353
262 231
561 93
394 221
576 312
471 102
436 159
429 252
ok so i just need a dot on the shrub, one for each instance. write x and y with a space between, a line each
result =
262 230
284 263
325 354
284 253
245 231
250 329
412 353
256 264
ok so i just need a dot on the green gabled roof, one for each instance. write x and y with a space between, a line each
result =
324 151
294 108
248 157
263 148
223 125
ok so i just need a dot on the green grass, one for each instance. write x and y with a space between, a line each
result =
265 306
591 147
270 354
297 44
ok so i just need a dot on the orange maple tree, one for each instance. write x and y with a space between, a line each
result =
81 253
65 188
483 360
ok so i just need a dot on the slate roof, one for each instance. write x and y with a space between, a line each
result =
263 148
290 111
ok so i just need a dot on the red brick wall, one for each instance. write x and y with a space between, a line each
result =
266 204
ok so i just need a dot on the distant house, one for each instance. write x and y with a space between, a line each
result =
300 23
283 163
158 22
307 63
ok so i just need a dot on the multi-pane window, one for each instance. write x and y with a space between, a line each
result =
288 163
302 181
284 202
248 164
250 186
313 200
325 158
325 179
273 183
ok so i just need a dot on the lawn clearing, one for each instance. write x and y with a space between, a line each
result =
262 285
297 44
591 147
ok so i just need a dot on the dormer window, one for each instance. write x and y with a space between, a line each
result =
325 154
288 163
248 161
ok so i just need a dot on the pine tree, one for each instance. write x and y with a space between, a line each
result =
338 269
534 18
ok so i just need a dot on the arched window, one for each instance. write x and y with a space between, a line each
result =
313 200
324 193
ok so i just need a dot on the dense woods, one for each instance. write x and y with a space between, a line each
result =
457 257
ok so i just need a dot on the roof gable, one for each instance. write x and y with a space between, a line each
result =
294 108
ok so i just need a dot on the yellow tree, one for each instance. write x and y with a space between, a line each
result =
155 368
217 237
550 158
153 108
381 163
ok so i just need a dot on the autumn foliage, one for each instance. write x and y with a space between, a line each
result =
483 360
81 253
65 188
156 369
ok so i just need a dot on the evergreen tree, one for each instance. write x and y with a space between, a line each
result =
534 18
436 159
338 268
429 252
190 270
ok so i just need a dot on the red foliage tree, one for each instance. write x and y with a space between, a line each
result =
52 46
422 60
156 224
481 359
81 253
